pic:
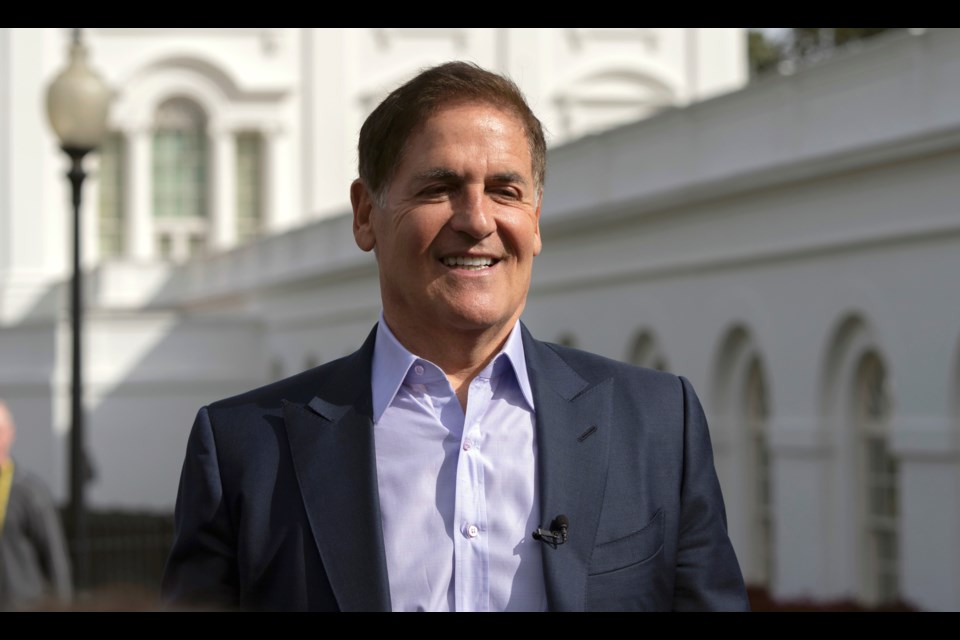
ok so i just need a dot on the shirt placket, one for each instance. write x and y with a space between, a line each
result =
471 546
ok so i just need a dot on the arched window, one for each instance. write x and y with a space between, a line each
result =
739 420
877 471
756 417
609 96
180 174
861 487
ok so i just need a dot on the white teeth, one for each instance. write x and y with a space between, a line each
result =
467 261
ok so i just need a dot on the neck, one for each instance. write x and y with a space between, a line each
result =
460 353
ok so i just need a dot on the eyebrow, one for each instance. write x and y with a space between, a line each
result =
449 175
436 173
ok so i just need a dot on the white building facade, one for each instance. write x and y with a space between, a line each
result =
789 247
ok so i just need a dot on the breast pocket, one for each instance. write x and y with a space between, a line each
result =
626 574
635 548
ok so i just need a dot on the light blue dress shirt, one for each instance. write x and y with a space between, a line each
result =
459 493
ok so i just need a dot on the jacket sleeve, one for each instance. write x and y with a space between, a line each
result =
202 567
48 540
708 574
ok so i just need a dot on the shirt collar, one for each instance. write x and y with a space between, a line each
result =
392 361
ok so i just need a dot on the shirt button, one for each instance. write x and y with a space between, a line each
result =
473 531
418 369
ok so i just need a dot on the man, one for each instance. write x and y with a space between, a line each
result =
34 567
454 462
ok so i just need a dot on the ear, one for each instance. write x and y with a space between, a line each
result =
362 201
537 242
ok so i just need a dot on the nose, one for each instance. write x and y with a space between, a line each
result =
473 214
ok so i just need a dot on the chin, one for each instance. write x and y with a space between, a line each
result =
480 318
475 310
474 322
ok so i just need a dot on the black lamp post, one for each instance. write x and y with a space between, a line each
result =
77 105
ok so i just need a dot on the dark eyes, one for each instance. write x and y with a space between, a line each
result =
507 192
438 190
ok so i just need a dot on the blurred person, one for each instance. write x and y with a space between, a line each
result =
454 462
34 565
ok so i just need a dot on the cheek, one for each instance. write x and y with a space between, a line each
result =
416 234
528 243
523 232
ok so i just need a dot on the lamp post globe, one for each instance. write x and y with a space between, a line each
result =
78 101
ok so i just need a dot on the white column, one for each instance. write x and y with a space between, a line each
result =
801 481
138 197
222 189
7 155
327 147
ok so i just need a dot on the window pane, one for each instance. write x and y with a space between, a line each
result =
878 482
111 196
756 417
249 196
180 179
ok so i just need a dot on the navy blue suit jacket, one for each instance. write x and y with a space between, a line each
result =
278 505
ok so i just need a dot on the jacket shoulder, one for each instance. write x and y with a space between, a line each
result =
339 381
595 367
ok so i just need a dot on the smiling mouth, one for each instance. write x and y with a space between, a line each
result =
470 263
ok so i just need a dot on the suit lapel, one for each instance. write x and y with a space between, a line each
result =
573 425
331 440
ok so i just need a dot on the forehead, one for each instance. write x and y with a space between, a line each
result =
470 127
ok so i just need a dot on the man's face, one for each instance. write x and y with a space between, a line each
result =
459 226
